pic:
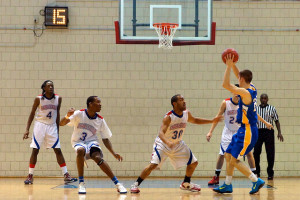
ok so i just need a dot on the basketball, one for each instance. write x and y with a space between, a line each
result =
231 51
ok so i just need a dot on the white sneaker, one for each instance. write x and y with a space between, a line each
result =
190 186
121 189
134 188
81 188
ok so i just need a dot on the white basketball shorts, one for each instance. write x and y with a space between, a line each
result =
45 134
87 146
226 139
180 155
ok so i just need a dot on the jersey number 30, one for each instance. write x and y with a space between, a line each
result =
177 134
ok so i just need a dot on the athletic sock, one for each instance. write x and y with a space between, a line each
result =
228 180
187 179
63 168
139 181
31 168
81 179
253 177
115 180
217 172
253 170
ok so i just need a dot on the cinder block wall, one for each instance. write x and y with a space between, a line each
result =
136 82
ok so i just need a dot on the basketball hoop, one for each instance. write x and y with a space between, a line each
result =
166 32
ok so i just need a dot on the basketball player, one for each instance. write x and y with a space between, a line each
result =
169 143
245 138
229 108
46 129
87 124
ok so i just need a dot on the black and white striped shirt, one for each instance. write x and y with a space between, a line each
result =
268 113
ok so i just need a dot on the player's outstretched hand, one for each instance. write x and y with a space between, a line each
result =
218 119
71 112
229 60
25 136
269 126
208 136
118 157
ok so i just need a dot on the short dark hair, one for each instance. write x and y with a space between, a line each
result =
264 94
237 85
247 75
174 98
89 100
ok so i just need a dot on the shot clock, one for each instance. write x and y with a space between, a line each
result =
56 17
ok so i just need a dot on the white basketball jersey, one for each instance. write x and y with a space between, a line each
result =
86 127
230 115
47 110
177 126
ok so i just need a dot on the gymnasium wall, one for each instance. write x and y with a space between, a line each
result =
136 82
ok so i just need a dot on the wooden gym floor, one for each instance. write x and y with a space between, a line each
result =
152 188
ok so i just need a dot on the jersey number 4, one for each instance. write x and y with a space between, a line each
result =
49 115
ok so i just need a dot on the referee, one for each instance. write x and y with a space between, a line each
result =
268 113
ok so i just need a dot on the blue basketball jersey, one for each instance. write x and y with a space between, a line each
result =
247 113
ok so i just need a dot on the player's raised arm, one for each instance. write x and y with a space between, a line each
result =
163 129
269 126
36 103
196 120
213 126
66 119
246 96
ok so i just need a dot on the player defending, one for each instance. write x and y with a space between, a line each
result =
87 124
169 144
46 129
245 138
229 108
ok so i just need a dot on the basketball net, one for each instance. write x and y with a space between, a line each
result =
166 32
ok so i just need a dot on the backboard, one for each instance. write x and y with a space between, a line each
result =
194 17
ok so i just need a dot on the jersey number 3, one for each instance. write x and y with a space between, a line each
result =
83 136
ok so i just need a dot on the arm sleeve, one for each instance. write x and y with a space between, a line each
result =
275 115
105 131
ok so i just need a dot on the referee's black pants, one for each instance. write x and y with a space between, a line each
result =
265 136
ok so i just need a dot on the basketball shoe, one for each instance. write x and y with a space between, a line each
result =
29 179
81 188
224 189
190 186
121 189
134 189
68 178
214 181
257 185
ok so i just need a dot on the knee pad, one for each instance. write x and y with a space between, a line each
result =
100 162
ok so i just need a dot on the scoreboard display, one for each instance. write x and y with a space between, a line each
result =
56 17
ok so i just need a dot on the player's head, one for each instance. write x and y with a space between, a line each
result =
246 76
48 87
178 102
93 103
264 99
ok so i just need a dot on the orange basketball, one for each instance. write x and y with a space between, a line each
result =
232 52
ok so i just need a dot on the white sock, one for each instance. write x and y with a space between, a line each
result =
252 177
228 180
253 169
31 170
64 169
